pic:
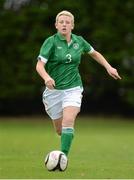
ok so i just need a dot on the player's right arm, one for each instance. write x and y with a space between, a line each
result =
45 51
40 68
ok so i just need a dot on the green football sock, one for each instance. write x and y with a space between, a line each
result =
66 139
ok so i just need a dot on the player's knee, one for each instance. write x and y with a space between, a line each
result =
68 123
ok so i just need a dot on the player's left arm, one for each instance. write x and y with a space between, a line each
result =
101 60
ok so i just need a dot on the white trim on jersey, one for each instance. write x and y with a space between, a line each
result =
91 51
42 59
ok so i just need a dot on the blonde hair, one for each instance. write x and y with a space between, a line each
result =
66 13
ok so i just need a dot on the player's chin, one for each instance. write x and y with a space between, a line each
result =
64 32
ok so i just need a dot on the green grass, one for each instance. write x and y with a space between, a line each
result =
103 148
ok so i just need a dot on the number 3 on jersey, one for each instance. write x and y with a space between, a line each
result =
69 58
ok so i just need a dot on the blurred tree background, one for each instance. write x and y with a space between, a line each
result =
107 26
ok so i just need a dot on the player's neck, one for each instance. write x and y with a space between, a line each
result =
68 38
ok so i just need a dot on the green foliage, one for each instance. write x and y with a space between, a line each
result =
108 26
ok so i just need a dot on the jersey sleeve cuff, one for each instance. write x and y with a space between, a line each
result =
91 50
41 58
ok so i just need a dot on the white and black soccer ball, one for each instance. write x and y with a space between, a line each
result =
56 160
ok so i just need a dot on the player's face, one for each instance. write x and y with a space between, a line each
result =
64 25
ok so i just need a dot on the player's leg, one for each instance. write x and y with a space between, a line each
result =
69 116
53 105
57 123
71 107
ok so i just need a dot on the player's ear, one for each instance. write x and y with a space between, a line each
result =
72 26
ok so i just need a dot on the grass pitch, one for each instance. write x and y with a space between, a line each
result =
103 148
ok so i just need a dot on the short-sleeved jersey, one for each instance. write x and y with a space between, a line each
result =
62 59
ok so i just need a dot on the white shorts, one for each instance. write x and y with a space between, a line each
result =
55 100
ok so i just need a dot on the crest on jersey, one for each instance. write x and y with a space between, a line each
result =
75 45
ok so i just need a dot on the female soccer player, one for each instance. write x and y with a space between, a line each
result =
58 62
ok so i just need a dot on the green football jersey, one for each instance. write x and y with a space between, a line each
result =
63 59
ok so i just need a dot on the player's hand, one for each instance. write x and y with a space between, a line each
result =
113 72
50 83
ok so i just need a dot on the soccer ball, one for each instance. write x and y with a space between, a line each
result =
56 160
